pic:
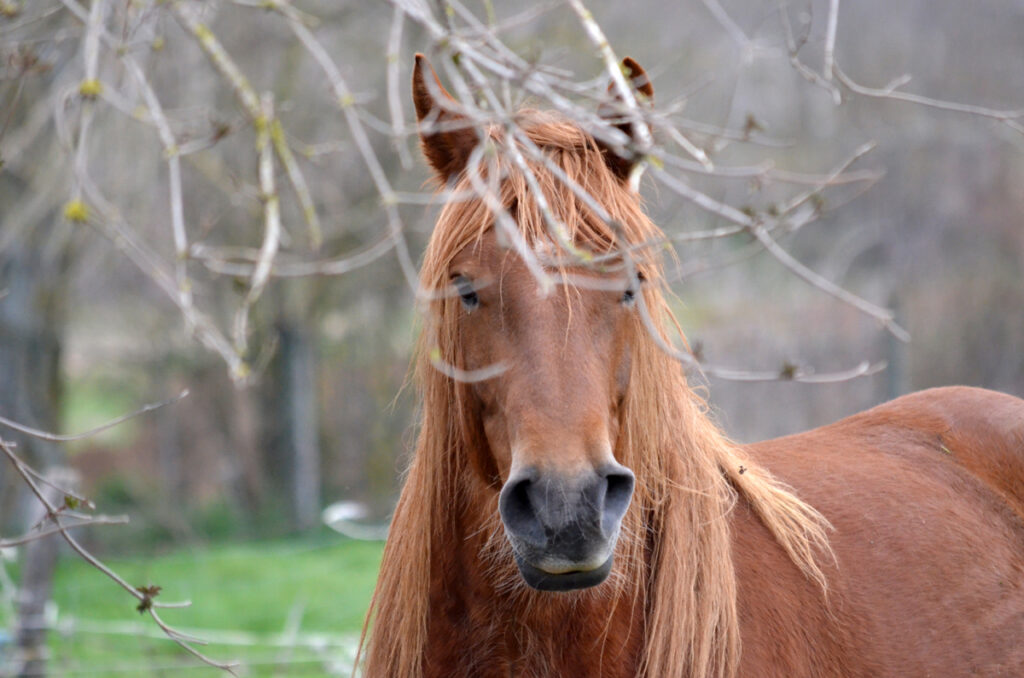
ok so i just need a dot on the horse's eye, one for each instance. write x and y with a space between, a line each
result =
629 296
464 286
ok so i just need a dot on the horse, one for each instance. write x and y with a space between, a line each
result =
573 510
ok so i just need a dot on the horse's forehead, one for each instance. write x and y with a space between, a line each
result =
480 251
490 259
494 251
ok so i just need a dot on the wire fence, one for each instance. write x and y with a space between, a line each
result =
136 649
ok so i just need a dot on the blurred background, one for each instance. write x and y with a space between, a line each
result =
225 489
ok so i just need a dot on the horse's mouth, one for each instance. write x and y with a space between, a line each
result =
563 581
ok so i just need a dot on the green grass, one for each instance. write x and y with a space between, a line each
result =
321 588
91 402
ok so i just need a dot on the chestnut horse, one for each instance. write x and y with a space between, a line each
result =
577 513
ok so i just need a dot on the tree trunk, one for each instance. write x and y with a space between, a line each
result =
36 587
291 442
33 281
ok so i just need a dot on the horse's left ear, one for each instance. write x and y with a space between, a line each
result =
447 137
644 91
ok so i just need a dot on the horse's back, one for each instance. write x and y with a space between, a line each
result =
926 494
983 432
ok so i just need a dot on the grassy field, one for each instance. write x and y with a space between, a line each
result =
285 608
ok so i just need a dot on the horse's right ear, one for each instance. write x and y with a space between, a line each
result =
638 79
446 136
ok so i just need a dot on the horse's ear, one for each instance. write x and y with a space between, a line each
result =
644 91
446 136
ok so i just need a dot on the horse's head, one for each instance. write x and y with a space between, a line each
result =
546 423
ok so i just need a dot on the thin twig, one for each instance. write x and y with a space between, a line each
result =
832 25
623 89
882 315
728 24
53 437
271 225
39 534
1010 117
394 99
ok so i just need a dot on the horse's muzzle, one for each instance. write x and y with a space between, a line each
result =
563 529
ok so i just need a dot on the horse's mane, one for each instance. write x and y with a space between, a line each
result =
674 558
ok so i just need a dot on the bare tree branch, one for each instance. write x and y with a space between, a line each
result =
1011 118
272 219
830 39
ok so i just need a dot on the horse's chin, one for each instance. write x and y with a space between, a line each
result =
564 581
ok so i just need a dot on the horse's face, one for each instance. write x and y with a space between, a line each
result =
551 417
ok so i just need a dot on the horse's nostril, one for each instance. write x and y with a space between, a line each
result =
566 513
518 511
618 493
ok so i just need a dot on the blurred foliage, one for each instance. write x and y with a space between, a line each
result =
92 400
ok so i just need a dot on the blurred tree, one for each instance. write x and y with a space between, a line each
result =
37 248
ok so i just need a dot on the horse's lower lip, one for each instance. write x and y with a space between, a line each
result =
565 581
549 565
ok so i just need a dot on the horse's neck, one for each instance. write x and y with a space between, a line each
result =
485 621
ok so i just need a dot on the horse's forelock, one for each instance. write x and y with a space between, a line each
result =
575 153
